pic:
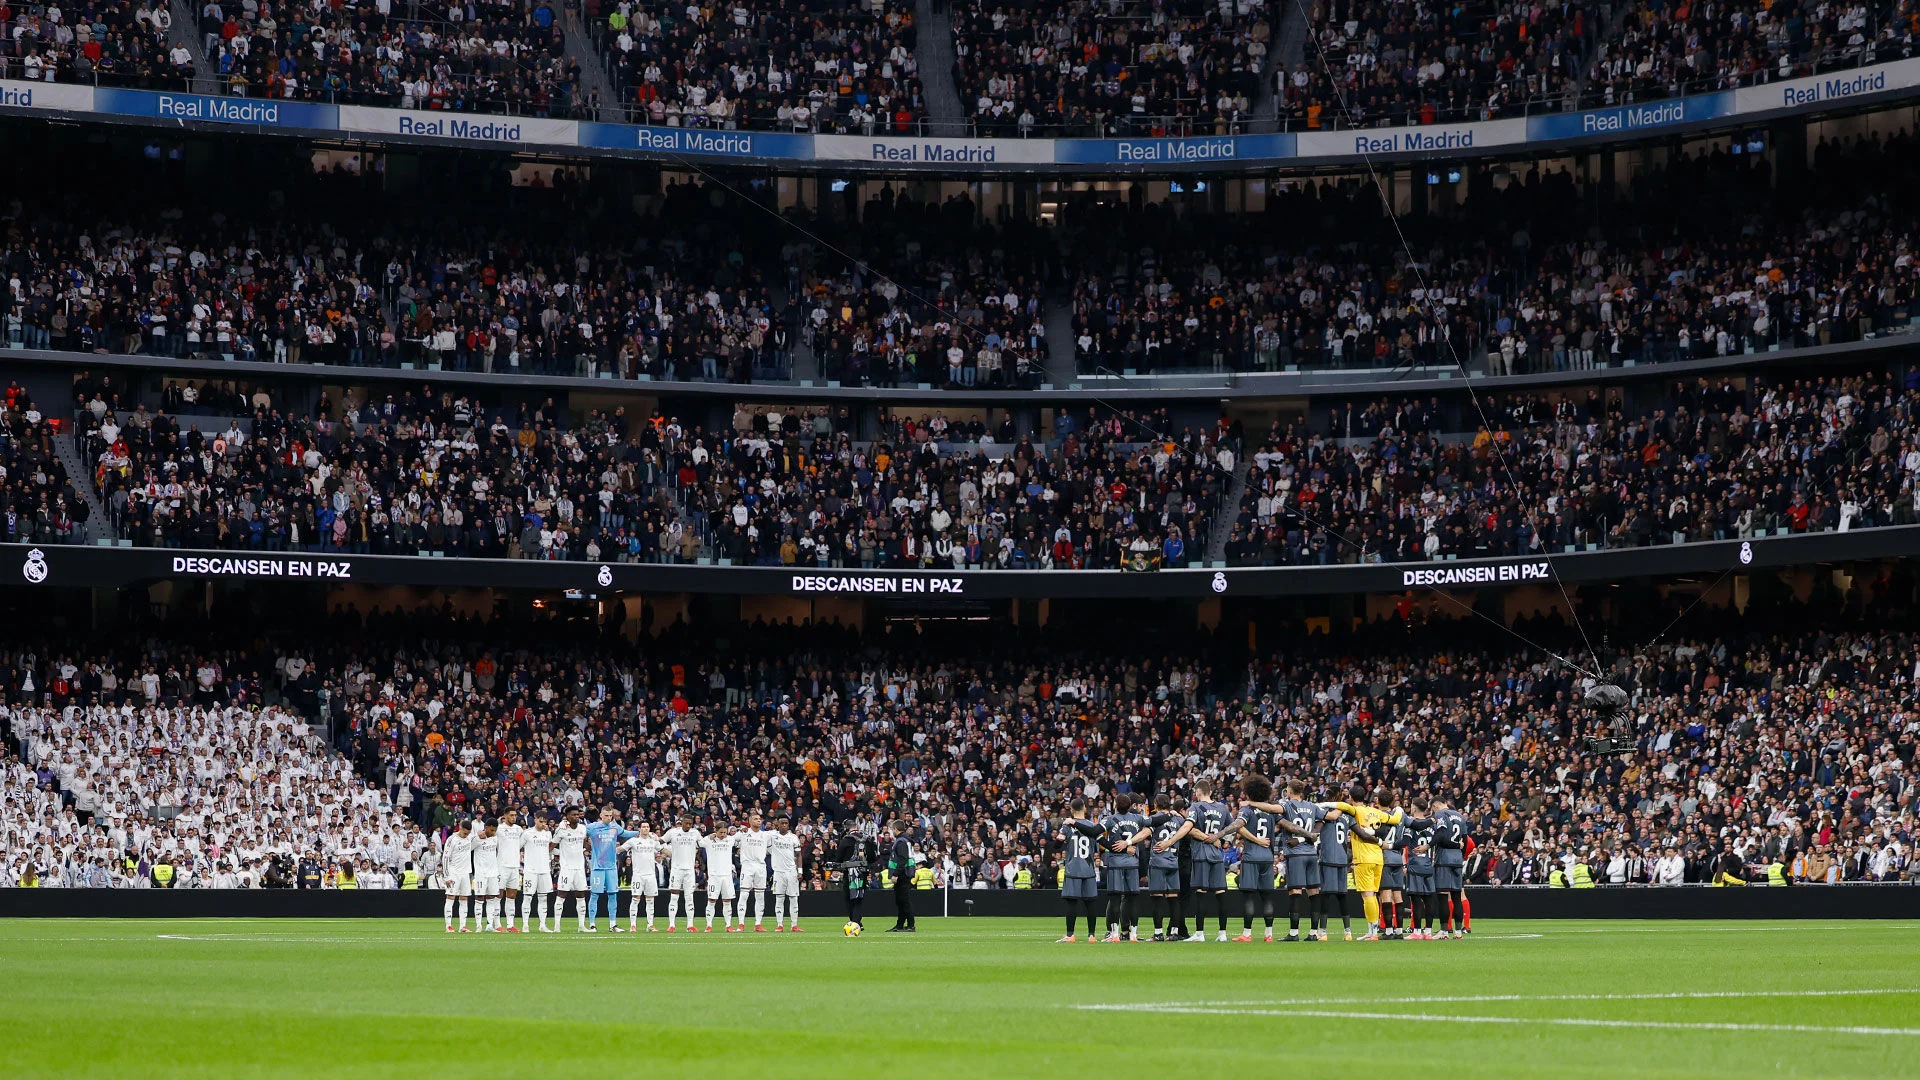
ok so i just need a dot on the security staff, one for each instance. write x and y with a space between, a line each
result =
163 874
1582 876
923 878
900 861
1777 873
409 878
1023 877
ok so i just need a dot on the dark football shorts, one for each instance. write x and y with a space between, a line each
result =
1123 879
1303 871
1393 876
1208 875
1163 880
1419 884
1448 878
1080 888
1333 879
1256 876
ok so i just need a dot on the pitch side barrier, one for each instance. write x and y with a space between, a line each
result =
122 567
892 154
1850 901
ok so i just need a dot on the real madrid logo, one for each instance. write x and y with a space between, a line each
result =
1219 582
1746 553
35 570
605 577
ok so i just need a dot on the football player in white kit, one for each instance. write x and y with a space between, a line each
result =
644 850
486 876
511 835
753 841
784 850
456 855
719 849
571 837
537 870
683 853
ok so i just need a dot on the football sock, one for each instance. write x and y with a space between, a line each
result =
1372 903
1158 907
449 909
1466 911
1221 897
1071 918
466 912
1266 911
1295 902
1246 919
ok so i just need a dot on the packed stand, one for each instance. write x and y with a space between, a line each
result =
177 781
38 502
1660 51
922 295
1704 258
439 474
477 56
1387 62
1088 67
103 42
843 66
1787 741
1542 478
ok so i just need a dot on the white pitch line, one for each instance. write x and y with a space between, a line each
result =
1676 995
1562 1021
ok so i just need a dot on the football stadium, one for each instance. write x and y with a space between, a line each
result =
845 536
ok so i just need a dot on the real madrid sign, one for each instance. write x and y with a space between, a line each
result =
35 570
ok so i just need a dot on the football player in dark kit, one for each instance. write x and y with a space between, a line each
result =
1163 866
1080 886
1420 877
1123 831
1298 817
1449 867
1260 832
1394 841
1206 821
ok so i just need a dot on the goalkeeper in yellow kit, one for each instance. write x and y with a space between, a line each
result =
1367 858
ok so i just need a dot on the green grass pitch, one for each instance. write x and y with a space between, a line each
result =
977 998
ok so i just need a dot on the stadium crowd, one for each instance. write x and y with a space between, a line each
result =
1660 51
438 474
1818 455
1372 62
1790 740
186 793
38 502
484 56
1179 67
1706 256
845 66
103 42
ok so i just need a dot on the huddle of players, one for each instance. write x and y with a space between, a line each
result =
510 870
1330 857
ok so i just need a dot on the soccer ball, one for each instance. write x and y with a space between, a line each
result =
852 929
